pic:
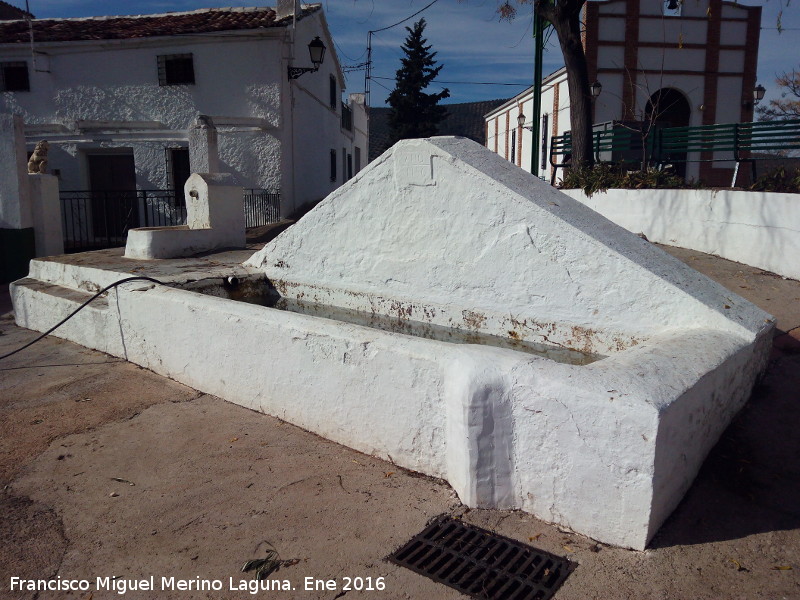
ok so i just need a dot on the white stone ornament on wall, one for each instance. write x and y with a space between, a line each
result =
413 168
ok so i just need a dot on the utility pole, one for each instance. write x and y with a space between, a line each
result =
538 44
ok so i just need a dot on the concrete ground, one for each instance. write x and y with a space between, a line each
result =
109 470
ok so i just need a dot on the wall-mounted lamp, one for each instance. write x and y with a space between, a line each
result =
758 93
317 51
758 96
521 122
595 89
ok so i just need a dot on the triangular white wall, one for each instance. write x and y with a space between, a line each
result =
443 226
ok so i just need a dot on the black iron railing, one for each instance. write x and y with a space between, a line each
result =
92 220
95 220
261 207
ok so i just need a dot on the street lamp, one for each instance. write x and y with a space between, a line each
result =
316 50
758 93
521 122
758 96
595 89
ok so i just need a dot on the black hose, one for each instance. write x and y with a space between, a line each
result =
81 307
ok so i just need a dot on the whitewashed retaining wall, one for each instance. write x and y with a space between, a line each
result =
755 228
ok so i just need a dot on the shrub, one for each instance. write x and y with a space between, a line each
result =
604 176
778 180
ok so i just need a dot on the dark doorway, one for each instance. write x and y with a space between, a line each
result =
179 171
669 108
112 181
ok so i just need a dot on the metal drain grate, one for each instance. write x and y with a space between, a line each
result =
481 564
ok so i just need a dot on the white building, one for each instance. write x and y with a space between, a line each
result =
694 61
117 98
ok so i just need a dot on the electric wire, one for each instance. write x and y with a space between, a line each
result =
383 86
81 307
464 82
406 19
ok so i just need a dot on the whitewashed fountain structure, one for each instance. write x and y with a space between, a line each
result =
441 236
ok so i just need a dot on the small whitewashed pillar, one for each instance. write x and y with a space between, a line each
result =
203 148
17 246
214 201
15 204
46 212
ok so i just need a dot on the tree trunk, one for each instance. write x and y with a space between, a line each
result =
565 18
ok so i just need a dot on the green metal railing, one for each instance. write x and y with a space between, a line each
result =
704 143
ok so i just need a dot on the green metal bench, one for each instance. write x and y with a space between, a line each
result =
741 140
676 144
618 144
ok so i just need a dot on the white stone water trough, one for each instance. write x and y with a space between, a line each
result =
464 319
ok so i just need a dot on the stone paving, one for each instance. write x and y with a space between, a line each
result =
215 484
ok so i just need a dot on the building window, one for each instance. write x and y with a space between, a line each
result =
514 146
347 117
332 98
358 159
14 77
333 164
349 166
175 69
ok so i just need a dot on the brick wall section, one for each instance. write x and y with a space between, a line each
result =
631 59
750 59
711 86
519 139
508 134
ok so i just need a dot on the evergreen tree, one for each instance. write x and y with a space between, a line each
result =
415 114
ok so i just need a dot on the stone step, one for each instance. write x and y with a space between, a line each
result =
60 292
71 272
39 305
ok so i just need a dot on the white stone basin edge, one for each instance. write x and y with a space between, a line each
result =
606 449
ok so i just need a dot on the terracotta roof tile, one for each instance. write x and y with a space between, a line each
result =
116 28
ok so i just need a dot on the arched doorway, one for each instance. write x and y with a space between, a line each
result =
668 107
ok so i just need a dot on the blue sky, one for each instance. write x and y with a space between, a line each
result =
472 44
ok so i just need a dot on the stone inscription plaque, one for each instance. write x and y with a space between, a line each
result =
413 168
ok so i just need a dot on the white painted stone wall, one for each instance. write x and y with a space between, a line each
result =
117 81
507 430
755 228
214 220
15 208
317 127
606 449
267 126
